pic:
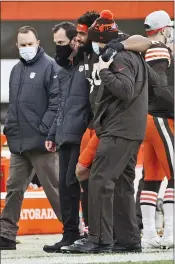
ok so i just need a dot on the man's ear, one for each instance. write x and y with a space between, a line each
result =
38 42
17 45
162 31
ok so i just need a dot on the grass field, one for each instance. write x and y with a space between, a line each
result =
29 251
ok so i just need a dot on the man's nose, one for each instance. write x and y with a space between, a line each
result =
78 38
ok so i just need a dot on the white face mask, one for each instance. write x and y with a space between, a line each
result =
170 37
95 48
28 53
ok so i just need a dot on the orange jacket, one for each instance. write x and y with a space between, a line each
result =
88 148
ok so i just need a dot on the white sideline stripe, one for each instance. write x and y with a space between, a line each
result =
33 257
28 195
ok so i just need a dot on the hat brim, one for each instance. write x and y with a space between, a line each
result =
102 37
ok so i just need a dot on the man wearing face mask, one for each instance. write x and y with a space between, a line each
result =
159 138
33 103
66 133
122 93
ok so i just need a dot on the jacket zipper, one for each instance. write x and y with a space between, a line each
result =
17 101
63 112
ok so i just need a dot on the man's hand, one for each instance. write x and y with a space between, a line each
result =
103 65
115 44
75 46
50 146
81 172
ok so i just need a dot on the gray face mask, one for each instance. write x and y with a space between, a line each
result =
167 33
170 37
28 53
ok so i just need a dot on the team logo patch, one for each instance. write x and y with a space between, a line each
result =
81 68
32 75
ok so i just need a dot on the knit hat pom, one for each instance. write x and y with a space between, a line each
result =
107 14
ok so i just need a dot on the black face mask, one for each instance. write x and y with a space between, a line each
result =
63 51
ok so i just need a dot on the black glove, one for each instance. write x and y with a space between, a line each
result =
116 45
108 54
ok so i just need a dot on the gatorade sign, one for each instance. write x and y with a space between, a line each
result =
37 213
37 216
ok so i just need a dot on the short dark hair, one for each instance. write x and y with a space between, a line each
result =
26 29
69 27
88 18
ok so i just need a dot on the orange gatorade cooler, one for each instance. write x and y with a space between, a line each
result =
5 163
37 215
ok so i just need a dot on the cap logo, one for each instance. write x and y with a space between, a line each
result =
106 27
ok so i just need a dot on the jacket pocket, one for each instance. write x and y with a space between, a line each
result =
43 129
99 117
29 115
11 129
11 126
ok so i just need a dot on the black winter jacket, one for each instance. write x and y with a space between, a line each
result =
33 103
74 111
121 105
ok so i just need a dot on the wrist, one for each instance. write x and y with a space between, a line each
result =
50 138
85 166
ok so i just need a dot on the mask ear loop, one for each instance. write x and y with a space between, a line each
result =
169 39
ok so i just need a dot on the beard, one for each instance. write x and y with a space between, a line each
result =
87 47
